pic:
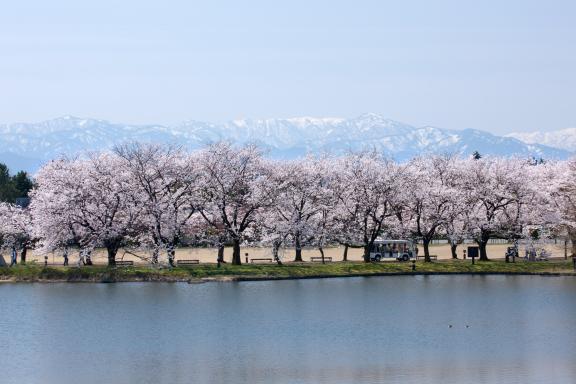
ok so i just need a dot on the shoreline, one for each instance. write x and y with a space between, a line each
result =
229 279
551 274
205 273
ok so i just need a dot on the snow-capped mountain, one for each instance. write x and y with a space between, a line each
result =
27 146
562 138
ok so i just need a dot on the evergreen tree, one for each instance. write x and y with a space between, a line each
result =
4 174
15 186
22 183
7 190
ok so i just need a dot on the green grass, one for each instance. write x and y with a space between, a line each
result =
34 272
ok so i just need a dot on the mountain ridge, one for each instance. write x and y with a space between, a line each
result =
27 145
561 138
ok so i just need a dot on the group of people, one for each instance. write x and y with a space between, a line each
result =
84 259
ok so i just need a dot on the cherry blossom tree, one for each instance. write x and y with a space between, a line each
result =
16 228
235 185
558 182
52 204
371 188
323 224
429 197
272 228
86 201
163 180
155 196
496 195
302 191
455 228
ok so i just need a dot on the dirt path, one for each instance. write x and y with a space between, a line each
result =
208 255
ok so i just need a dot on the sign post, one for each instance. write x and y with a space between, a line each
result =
473 253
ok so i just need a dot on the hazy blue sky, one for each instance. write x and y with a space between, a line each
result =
495 65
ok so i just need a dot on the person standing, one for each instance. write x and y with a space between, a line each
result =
81 261
65 256
88 258
14 258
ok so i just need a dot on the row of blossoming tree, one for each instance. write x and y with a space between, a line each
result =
157 197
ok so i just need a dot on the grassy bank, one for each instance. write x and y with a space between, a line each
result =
207 272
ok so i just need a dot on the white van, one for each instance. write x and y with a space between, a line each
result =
401 250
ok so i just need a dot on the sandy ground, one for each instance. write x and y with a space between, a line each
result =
208 255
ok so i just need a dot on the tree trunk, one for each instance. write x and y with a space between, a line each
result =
572 235
236 259
322 254
23 255
453 247
298 246
155 254
426 243
220 258
171 251
367 248
482 243
112 250
345 255
275 248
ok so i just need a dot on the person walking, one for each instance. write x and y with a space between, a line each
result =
81 261
171 255
14 258
88 258
65 256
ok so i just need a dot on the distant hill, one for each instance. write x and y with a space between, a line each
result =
27 145
562 138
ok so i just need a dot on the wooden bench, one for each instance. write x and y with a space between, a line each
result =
124 263
319 258
262 259
432 257
187 262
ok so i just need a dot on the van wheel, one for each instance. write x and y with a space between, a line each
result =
377 258
405 258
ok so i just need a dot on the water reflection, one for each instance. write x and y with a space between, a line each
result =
392 329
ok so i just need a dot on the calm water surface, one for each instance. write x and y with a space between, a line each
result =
353 330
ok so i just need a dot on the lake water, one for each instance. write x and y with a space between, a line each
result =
349 330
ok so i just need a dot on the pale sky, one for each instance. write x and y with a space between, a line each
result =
499 66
